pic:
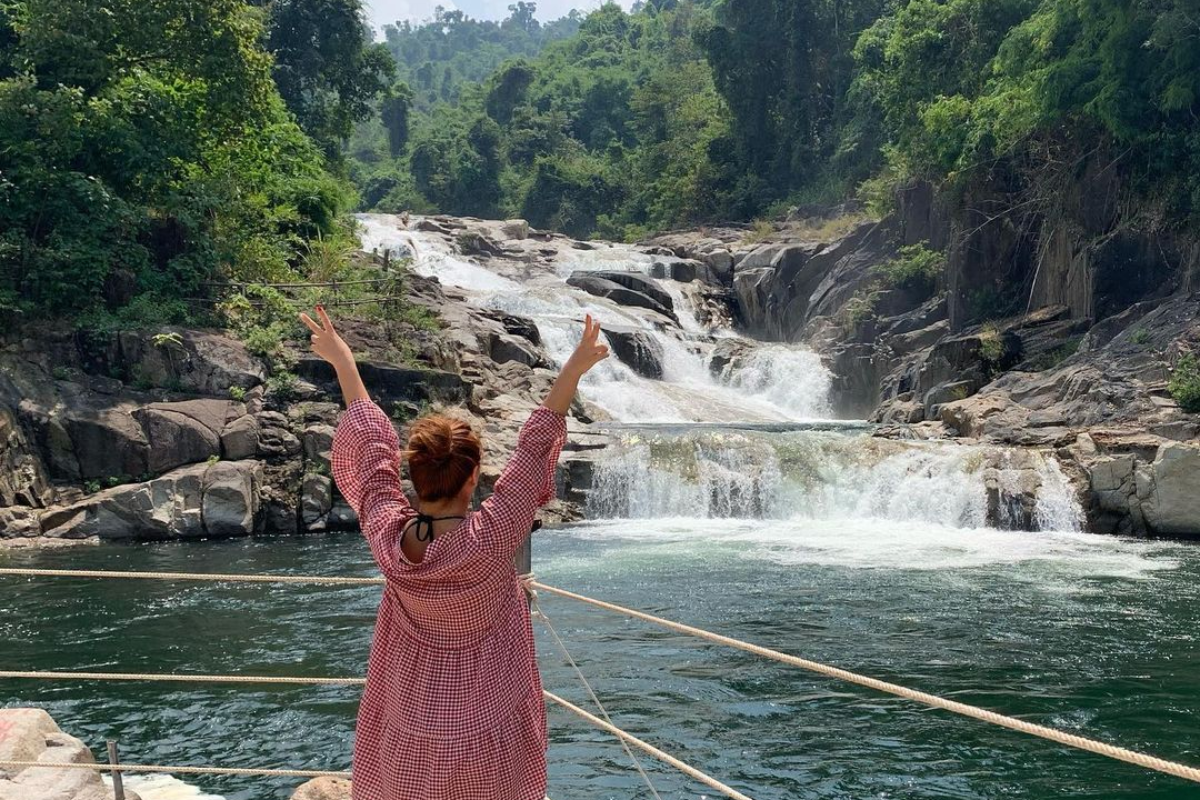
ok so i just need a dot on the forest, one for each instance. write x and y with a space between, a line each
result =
149 147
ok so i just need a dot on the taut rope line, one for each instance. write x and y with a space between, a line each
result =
1054 735
707 780
1051 734
180 770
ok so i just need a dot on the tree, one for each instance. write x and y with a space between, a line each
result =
394 111
328 71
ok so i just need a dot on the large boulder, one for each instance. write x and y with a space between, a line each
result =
29 734
638 350
1173 487
185 432
197 361
323 789
219 499
593 283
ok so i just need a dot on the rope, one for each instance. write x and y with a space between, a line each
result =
707 780
1051 734
141 676
194 576
1054 735
180 770
537 609
260 679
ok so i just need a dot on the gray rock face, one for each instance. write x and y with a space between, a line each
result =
202 362
19 522
638 351
1171 486
23 479
316 501
602 285
220 500
29 734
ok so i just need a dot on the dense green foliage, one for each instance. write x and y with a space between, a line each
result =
685 112
145 150
438 57
610 131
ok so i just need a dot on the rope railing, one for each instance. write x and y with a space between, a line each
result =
625 737
179 769
1061 737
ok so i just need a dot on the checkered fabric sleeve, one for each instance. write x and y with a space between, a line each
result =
366 466
526 484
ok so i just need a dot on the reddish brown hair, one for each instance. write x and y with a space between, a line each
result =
442 454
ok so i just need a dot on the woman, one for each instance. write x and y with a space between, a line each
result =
453 706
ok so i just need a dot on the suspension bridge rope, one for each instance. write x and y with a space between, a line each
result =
1054 735
963 709
178 769
527 582
331 580
707 780
263 679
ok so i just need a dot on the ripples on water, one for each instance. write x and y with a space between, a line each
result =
1091 634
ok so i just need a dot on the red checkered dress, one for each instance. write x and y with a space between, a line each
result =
453 707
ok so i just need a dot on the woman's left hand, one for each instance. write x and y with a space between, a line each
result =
325 340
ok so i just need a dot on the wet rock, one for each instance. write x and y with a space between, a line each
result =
720 261
474 243
523 327
621 295
637 350
637 282
323 789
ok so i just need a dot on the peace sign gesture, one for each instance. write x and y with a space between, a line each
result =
589 352
325 340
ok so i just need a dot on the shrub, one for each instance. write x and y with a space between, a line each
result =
991 344
916 268
760 231
1184 385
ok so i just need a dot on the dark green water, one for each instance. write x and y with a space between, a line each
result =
1086 633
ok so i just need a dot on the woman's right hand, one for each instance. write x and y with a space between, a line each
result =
589 352
325 340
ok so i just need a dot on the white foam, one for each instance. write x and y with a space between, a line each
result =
873 543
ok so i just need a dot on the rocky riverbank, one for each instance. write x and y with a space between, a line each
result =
180 434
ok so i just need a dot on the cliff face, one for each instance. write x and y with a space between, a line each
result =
1051 330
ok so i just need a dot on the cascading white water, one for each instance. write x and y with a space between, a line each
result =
822 476
728 474
778 382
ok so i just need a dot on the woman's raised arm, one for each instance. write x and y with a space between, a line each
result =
527 483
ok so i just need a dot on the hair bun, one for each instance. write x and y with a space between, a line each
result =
443 453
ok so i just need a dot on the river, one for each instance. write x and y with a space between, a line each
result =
721 505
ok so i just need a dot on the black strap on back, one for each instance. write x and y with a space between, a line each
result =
424 522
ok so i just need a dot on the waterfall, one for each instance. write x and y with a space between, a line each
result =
774 382
828 476
702 472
